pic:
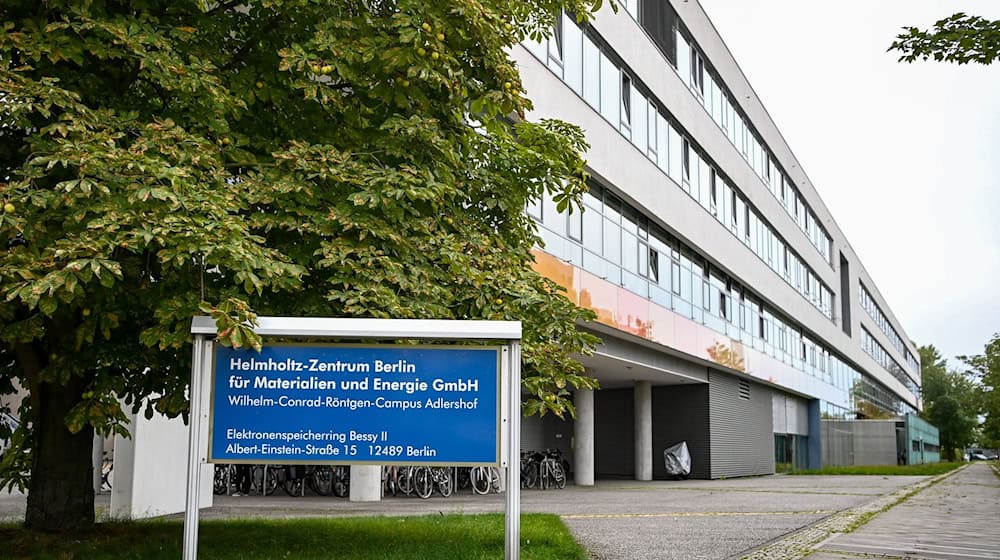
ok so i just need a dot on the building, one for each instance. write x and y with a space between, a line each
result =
734 313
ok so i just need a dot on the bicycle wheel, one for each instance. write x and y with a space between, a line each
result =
480 479
220 483
321 480
258 479
558 475
545 474
404 480
529 475
423 482
445 483
341 481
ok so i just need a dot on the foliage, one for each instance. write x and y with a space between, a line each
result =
926 469
958 38
543 537
985 368
167 158
950 401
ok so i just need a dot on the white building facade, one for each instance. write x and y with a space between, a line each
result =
734 313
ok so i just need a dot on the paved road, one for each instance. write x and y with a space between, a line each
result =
690 520
958 518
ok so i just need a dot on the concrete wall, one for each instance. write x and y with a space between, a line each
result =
741 428
150 476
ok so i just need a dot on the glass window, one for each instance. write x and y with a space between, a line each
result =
683 57
551 218
662 143
534 209
626 106
639 120
556 48
592 234
610 90
651 117
576 225
630 254
612 241
705 173
591 73
677 148
572 54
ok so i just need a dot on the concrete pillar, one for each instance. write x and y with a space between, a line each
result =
96 458
366 483
643 393
583 438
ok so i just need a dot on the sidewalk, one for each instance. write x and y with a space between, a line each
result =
958 518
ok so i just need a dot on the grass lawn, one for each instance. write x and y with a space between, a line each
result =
451 537
927 469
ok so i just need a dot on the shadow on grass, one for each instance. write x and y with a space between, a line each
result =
453 537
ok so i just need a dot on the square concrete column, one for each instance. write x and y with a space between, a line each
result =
643 394
583 438
366 483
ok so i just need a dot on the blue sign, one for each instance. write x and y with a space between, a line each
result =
356 404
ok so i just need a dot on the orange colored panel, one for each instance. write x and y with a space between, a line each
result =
633 314
661 324
600 296
556 270
686 335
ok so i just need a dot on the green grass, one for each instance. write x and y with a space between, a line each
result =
451 537
927 469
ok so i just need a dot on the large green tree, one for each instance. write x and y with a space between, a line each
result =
163 158
986 368
959 38
950 401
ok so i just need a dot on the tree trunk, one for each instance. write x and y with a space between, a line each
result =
61 494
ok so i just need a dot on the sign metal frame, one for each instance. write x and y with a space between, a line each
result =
203 371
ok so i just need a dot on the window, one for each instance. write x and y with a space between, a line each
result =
611 94
654 265
591 73
626 104
556 48
572 54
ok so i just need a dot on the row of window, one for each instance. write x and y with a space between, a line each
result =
875 312
865 395
616 242
692 68
875 350
590 72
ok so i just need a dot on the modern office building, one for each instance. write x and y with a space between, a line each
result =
734 313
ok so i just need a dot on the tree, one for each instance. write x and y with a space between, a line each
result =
986 368
959 38
949 401
167 158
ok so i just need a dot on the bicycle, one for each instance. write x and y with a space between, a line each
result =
552 470
484 479
320 479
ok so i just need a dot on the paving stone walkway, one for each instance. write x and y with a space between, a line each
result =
951 517
958 518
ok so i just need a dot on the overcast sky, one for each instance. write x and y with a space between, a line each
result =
905 156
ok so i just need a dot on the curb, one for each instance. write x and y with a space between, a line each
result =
805 541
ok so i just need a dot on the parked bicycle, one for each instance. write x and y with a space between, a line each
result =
543 469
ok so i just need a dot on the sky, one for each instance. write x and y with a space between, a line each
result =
905 156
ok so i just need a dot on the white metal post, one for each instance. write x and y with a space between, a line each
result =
513 529
193 500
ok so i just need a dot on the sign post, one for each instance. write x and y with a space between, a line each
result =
375 404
